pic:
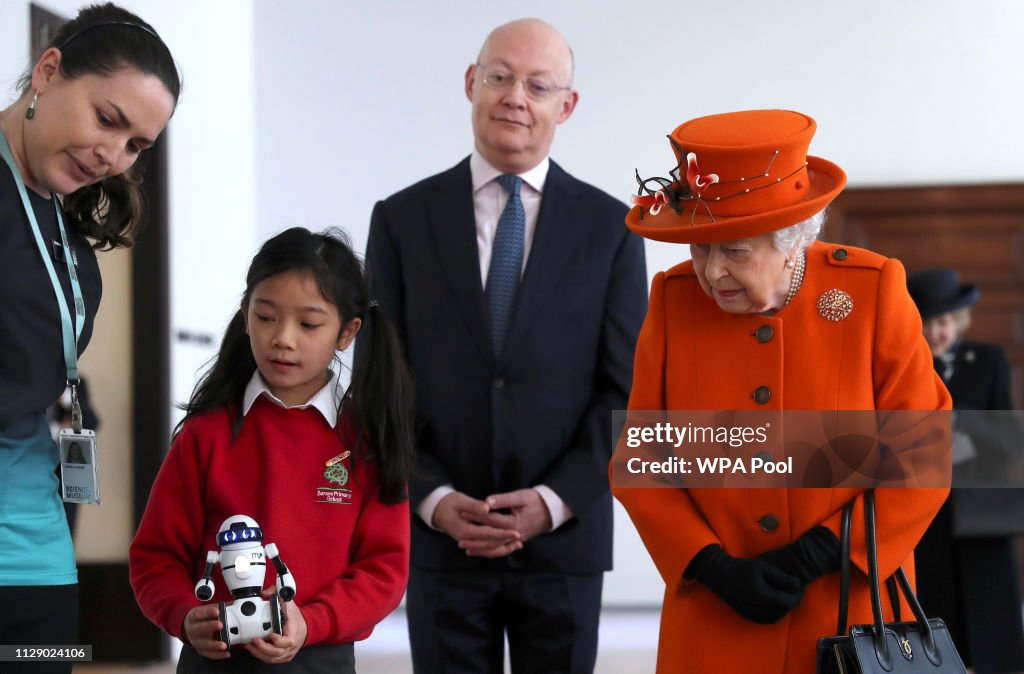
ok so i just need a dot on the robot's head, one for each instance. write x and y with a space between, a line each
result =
239 531
242 560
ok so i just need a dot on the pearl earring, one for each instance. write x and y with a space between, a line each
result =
790 264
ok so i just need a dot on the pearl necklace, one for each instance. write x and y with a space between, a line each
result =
798 278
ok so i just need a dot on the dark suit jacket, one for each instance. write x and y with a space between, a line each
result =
980 387
981 377
980 382
539 413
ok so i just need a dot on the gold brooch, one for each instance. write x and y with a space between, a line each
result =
835 305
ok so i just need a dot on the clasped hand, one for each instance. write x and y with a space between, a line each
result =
754 588
767 587
493 527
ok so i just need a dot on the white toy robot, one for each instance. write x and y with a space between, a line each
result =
243 565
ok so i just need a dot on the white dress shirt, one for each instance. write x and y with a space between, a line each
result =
327 400
489 199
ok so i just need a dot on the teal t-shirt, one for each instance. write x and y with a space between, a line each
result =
34 535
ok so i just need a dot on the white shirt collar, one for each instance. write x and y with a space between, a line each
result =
327 400
483 173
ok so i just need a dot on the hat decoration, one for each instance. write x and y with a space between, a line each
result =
674 192
737 174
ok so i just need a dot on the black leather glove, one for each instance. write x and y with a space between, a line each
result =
813 554
753 588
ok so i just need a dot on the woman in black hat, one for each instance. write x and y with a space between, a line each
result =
967 568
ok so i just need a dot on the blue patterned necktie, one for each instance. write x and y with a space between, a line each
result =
506 262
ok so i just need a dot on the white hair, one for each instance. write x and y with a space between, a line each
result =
799 236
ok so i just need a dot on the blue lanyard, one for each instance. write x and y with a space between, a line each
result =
71 335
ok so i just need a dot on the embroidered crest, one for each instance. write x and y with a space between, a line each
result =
336 474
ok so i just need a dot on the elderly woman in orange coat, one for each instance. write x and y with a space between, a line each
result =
764 317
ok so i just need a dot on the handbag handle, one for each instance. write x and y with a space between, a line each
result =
844 567
881 645
844 574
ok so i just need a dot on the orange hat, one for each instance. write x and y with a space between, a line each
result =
746 173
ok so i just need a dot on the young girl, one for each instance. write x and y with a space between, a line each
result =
264 426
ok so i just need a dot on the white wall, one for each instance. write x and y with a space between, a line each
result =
212 170
355 103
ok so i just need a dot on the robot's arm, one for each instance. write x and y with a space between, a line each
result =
285 580
205 587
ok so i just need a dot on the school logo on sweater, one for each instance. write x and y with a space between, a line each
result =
335 473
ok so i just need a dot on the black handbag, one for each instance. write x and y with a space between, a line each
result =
922 645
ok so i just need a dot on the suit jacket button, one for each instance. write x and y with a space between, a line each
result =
764 334
762 395
840 254
498 382
769 523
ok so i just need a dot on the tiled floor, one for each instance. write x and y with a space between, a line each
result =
628 640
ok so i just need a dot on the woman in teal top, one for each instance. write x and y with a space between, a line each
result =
98 96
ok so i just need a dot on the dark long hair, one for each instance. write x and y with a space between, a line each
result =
100 40
380 395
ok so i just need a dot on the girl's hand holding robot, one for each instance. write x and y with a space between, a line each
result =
203 626
202 629
281 648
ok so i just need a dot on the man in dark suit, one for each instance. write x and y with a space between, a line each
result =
518 294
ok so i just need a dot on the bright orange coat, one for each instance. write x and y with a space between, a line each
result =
693 356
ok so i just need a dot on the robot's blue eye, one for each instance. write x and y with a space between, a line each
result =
239 535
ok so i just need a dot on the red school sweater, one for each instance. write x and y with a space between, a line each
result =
348 551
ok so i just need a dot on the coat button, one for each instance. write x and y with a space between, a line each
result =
764 334
498 383
769 523
762 395
840 254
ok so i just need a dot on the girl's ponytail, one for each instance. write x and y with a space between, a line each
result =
384 394
225 380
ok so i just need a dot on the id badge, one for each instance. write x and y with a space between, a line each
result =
79 466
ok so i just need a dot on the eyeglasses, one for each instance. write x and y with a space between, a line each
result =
502 79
